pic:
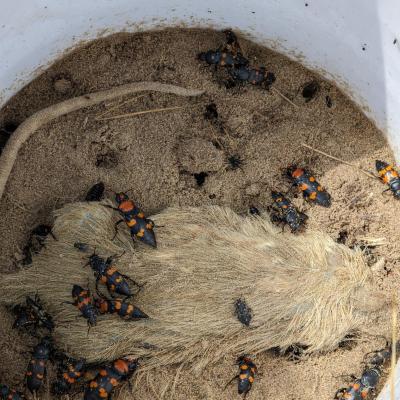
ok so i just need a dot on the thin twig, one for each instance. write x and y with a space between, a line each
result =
340 160
119 105
274 89
394 338
153 110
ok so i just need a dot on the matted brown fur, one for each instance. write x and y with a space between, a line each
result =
303 289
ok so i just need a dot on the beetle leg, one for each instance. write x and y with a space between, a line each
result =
235 377
116 228
133 281
53 236
115 256
112 208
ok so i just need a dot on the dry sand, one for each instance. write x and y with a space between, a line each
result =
158 155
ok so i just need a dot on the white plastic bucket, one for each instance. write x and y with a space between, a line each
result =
355 43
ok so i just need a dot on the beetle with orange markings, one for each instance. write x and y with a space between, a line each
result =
36 370
109 377
108 274
246 376
309 186
283 211
6 393
389 176
72 375
120 307
140 227
84 302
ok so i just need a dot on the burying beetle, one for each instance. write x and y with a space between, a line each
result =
307 184
36 370
140 227
353 392
389 176
84 302
369 379
36 242
107 273
6 393
246 376
255 76
69 377
32 315
120 307
283 211
360 388
228 55
96 192
109 377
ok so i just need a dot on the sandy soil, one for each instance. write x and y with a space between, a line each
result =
164 156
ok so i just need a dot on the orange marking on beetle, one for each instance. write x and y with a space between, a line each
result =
382 172
303 186
313 196
243 376
386 178
140 233
119 279
297 173
103 393
29 373
319 188
118 304
93 384
244 366
103 307
141 214
111 270
121 366
84 302
130 308
364 394
126 206
251 379
131 222
284 206
114 382
278 200
149 226
103 372
312 179
39 376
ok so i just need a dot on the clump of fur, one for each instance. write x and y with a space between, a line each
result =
303 289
